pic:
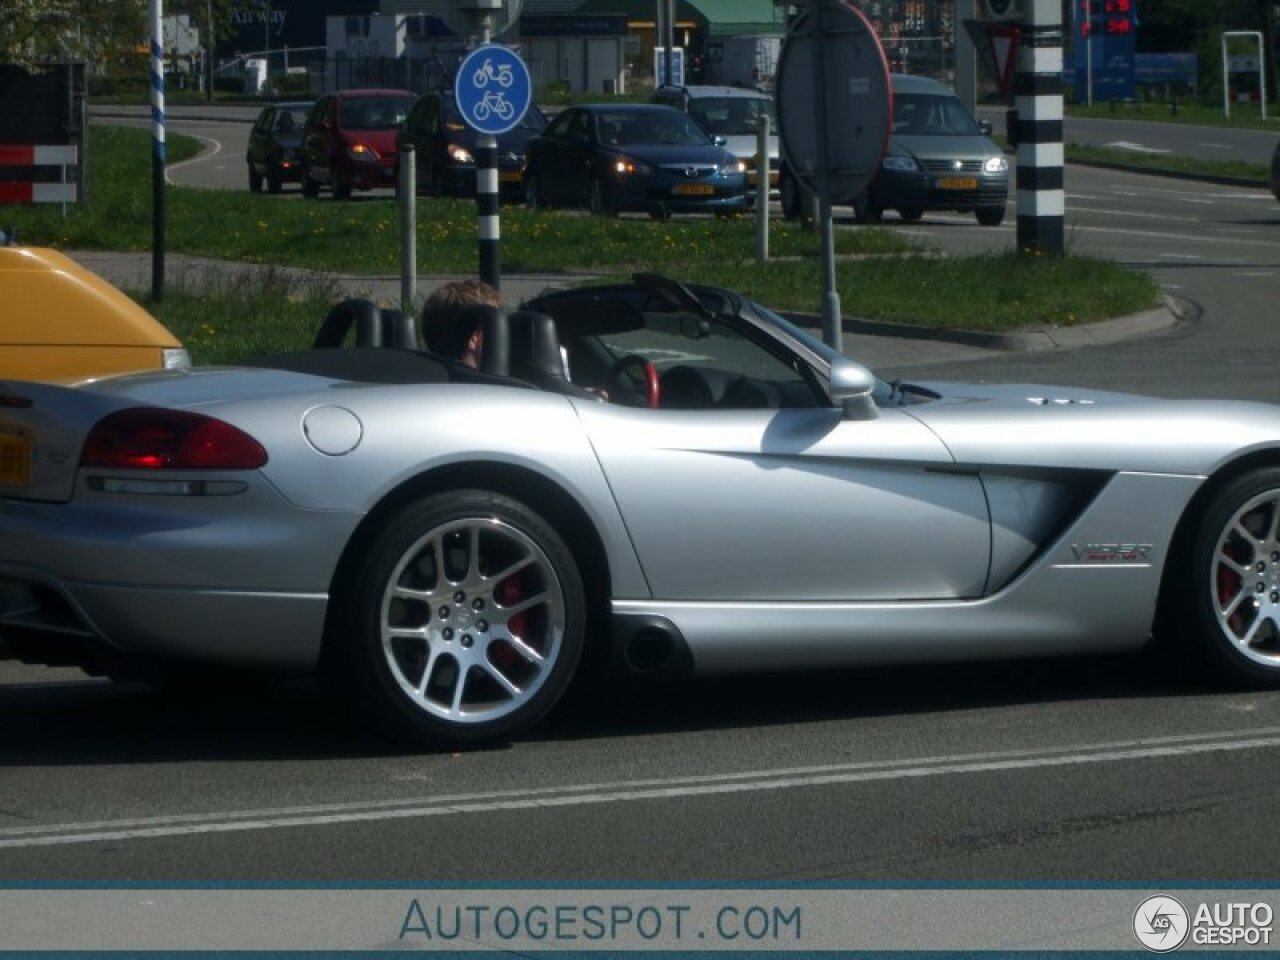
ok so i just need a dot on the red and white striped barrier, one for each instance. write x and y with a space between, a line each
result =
32 155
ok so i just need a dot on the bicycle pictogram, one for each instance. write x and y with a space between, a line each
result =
494 102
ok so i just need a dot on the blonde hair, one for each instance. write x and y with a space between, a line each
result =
442 313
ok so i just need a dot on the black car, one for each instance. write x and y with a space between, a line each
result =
444 147
275 145
612 157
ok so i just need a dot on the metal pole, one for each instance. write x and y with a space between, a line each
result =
762 189
832 330
208 50
157 150
669 41
408 227
489 228
1088 51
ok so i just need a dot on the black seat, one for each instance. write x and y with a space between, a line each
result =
535 353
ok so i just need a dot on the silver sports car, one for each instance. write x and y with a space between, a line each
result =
642 477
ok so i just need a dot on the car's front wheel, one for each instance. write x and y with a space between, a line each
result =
990 216
1230 593
601 200
533 198
464 620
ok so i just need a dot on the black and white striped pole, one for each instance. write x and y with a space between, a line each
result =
1037 88
489 229
157 149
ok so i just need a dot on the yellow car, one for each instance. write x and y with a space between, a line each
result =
59 321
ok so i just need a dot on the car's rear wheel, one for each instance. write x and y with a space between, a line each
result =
990 216
910 214
1230 594
464 622
255 179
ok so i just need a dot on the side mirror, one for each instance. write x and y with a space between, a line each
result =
851 387
985 127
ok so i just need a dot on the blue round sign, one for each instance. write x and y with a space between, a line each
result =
492 89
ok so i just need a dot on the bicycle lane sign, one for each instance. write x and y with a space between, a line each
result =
492 89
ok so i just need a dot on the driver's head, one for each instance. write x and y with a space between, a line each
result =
450 330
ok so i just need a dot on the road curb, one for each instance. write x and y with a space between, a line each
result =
1169 314
1222 181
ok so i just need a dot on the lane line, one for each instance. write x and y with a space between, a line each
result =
198 158
633 791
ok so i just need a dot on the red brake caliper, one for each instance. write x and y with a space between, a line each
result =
509 593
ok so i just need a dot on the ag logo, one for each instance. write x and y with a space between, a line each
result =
1161 924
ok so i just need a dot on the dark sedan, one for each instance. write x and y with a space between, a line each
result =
444 148
274 153
632 157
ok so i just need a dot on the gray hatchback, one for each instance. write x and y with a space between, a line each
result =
938 158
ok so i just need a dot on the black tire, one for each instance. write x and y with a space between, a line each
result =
791 197
532 198
990 216
274 182
429 651
1230 626
865 210
341 189
910 214
600 199
255 179
309 187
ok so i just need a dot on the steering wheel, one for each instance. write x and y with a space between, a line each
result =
629 373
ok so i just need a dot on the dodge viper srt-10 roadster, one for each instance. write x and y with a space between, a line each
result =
641 477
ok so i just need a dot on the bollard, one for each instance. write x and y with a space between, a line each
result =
762 189
407 187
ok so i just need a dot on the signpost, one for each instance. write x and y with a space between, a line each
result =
834 107
493 91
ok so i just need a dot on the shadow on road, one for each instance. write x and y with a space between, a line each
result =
96 722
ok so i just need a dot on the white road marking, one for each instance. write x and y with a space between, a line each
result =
1215 146
633 791
1255 273
198 158
1135 147
1180 256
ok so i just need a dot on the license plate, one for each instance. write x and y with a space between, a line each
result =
694 189
15 459
957 183
509 176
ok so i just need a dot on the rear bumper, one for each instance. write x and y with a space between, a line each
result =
240 580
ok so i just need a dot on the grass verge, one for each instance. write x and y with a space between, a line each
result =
362 235
984 293
1167 163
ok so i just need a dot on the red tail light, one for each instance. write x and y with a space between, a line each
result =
156 439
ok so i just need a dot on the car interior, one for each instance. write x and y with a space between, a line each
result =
635 345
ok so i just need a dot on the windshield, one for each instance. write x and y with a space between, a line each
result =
927 115
374 113
634 128
732 116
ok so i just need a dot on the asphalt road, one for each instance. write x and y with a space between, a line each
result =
1093 770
